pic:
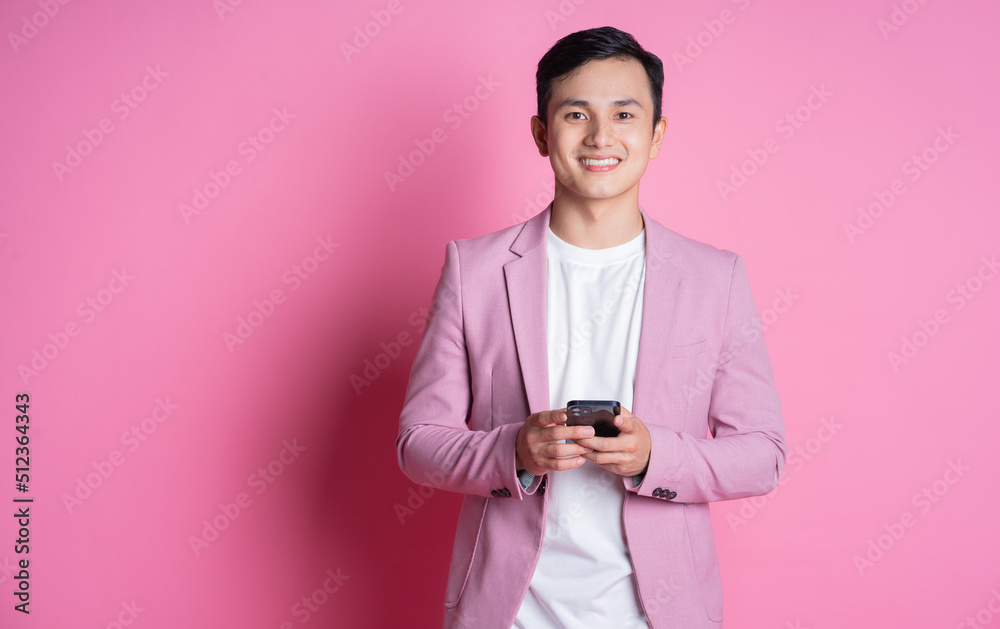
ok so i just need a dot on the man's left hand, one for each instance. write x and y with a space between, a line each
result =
628 453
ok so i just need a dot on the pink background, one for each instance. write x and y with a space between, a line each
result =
836 305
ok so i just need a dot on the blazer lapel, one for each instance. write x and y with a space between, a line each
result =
527 278
659 318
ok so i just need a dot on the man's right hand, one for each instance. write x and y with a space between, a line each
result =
539 448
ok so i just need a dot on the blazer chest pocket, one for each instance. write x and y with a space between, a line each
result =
688 349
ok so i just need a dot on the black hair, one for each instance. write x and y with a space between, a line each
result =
576 49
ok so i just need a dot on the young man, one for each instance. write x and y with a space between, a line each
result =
591 299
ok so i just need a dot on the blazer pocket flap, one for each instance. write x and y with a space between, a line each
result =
689 349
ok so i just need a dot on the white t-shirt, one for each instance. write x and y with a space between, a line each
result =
594 311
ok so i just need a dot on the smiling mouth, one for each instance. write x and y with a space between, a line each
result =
607 161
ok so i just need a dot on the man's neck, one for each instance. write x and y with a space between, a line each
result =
596 224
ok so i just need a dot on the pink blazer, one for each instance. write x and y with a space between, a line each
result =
482 368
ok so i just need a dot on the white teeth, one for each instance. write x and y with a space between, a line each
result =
610 161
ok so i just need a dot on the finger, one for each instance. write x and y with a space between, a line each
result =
565 450
548 418
602 444
564 464
626 421
569 432
621 443
605 459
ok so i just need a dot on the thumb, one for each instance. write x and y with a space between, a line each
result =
625 420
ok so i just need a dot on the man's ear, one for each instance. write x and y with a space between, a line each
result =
659 129
538 133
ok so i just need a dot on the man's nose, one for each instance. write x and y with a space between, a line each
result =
602 133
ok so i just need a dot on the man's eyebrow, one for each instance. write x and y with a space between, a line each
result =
577 102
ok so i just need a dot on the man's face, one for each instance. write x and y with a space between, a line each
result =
600 133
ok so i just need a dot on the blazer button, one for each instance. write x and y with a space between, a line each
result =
671 495
506 493
657 492
494 493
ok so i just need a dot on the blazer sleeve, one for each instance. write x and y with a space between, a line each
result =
435 445
746 455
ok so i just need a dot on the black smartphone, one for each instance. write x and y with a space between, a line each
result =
597 413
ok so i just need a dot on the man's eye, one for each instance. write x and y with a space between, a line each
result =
575 115
625 114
